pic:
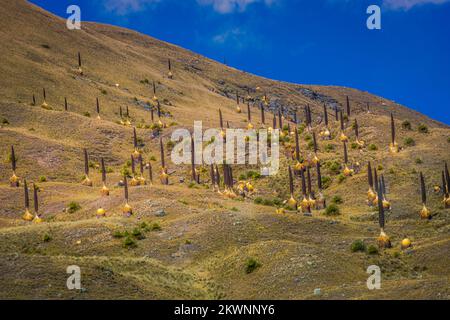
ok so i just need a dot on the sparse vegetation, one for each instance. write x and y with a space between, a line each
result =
4 121
341 178
372 147
73 207
155 227
251 265
422 128
326 182
42 179
337 200
87 114
419 161
329 147
358 246
406 125
129 242
46 237
372 250
410 142
332 210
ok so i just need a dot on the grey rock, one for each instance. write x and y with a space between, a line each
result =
160 213
317 292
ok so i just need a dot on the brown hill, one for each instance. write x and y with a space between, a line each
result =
205 240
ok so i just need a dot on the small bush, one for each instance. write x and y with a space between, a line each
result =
253 175
251 265
119 234
137 233
332 210
358 245
258 200
152 158
354 145
234 209
334 167
329 147
73 207
129 242
373 147
406 125
326 182
410 142
42 179
5 121
422 128
103 91
341 178
372 249
46 238
308 137
45 46
86 114
155 227
337 200
419 161
380 167
170 144
311 145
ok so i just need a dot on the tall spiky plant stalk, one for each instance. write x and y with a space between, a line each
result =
134 181
104 191
320 200
27 216
86 182
249 117
136 153
375 180
383 240
14 180
311 199
120 112
393 147
280 118
141 171
155 98
325 133
292 202
152 115
193 170
386 203
368 107
66 106
164 177
217 172
128 112
37 216
347 171
238 108
371 195
220 119
297 146
305 204
316 148
212 176
263 118
424 213
295 117
169 74
127 209
80 70
33 103
343 136
274 121
336 114
44 103
98 109
446 188
348 107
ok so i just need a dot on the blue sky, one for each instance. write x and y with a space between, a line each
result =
304 41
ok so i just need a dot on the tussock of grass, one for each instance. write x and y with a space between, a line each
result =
358 246
251 265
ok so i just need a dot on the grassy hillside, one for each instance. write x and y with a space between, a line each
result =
201 247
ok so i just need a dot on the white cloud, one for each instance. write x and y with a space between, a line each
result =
122 7
408 4
229 6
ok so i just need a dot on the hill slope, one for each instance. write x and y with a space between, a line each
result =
205 239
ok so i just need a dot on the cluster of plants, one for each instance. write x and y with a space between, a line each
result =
130 238
360 246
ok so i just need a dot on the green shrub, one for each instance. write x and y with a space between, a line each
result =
341 178
406 125
258 200
354 145
155 227
5 121
242 176
410 142
46 237
311 145
373 147
103 91
422 128
137 233
234 209
334 167
329 147
152 158
119 234
253 175
337 200
380 167
372 249
251 265
86 114
73 207
42 179
129 242
419 161
326 182
358 245
170 144
332 210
